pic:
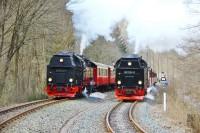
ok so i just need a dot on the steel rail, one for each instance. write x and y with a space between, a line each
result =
18 116
108 125
133 121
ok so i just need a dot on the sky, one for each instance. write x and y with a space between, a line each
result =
149 21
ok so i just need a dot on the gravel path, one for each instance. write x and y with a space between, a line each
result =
154 120
120 121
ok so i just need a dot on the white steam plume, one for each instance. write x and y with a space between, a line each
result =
148 20
84 42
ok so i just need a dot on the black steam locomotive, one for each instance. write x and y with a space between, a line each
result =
65 75
131 78
68 74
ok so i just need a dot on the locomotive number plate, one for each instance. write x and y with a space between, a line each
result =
129 91
60 70
129 72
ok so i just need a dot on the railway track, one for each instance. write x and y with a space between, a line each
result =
74 118
131 117
120 119
12 114
7 110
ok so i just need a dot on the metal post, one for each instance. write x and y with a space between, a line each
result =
164 101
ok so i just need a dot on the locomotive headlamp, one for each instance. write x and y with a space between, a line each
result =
129 63
119 82
139 82
50 79
71 80
163 79
61 60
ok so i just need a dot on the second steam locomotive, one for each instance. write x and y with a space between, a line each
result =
132 78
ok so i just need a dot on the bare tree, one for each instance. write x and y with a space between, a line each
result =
23 16
30 32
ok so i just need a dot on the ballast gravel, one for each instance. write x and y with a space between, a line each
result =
154 120
87 115
51 119
46 120
120 120
89 121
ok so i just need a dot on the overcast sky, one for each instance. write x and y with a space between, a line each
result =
149 20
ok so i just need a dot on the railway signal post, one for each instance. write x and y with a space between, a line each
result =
165 88
164 101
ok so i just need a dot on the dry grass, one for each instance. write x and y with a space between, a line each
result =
177 110
183 112
193 121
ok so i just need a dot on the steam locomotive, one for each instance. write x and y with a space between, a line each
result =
132 78
69 73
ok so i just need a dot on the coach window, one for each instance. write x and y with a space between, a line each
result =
103 71
99 71
87 73
91 72
84 74
112 72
